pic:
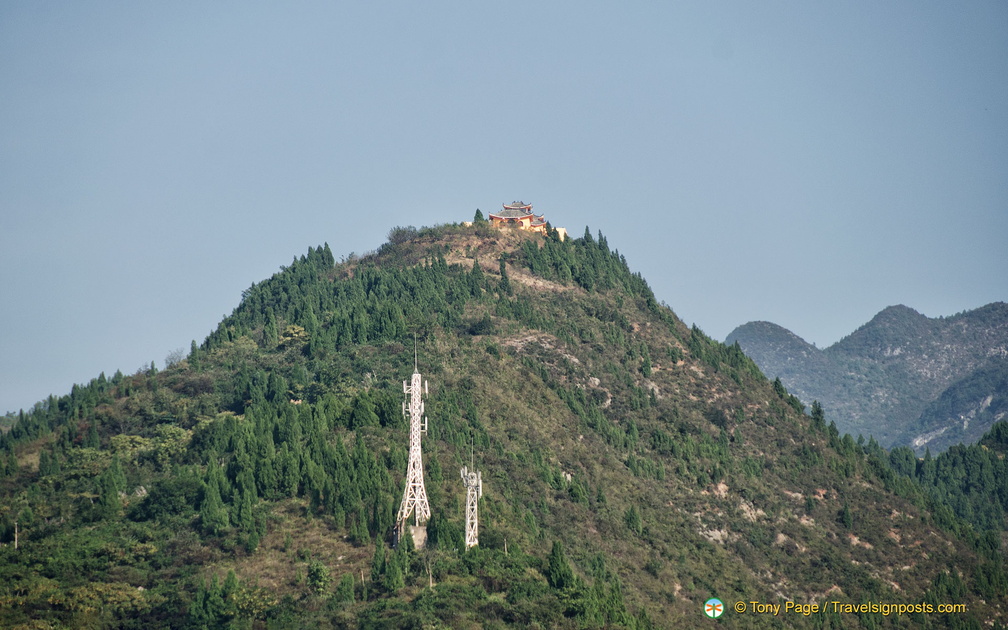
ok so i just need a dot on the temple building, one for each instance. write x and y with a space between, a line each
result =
519 214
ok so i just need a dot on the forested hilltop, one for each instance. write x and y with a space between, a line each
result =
633 468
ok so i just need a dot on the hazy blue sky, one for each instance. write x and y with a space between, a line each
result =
807 163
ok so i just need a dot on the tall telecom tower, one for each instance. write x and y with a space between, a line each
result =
474 490
414 500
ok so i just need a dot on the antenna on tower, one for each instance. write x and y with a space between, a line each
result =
473 480
414 500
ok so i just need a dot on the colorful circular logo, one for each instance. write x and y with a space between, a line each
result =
713 608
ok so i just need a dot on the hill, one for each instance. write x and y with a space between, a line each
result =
881 378
633 468
781 353
964 412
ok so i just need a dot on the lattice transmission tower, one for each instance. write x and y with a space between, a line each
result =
414 500
473 480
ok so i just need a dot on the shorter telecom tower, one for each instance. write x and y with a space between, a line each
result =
474 490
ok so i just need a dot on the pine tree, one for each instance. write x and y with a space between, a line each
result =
230 586
359 531
345 590
632 518
266 466
197 609
846 516
505 282
378 562
271 333
109 504
818 416
118 477
558 570
242 516
214 606
252 542
363 414
213 515
92 440
395 578
779 389
476 279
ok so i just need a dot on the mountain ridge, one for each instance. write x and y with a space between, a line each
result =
879 379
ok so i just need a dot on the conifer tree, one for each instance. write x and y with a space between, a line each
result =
846 516
214 606
345 590
92 440
818 415
558 570
505 282
197 608
271 333
213 515
378 562
359 531
632 517
242 516
108 496
363 413
395 578
476 279
118 477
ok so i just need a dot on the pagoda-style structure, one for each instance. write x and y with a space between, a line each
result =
519 214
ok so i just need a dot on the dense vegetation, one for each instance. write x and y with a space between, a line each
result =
633 466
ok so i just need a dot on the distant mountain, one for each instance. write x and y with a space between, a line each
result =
881 378
781 353
965 411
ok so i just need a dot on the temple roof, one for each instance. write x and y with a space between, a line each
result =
511 213
518 205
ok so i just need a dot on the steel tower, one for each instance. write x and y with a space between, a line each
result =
474 490
414 500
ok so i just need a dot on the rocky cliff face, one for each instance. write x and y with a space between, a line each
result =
881 378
